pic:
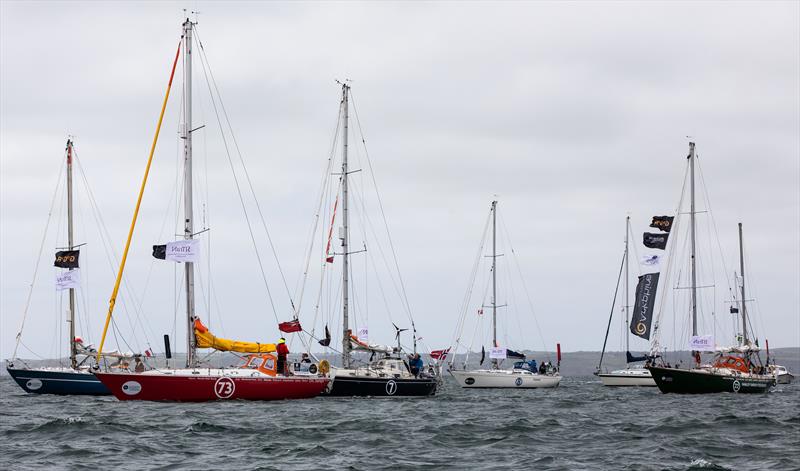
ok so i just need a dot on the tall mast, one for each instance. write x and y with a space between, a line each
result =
741 269
494 277
692 232
73 354
188 210
627 277
344 236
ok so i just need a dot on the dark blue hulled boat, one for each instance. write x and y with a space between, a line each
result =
75 378
58 380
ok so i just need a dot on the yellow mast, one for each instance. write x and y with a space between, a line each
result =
113 299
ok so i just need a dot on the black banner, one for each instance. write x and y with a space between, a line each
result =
512 354
662 222
643 309
634 358
160 251
655 241
327 340
67 259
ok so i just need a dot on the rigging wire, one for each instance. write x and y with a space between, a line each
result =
524 286
466 299
111 257
209 73
407 305
324 186
38 259
655 341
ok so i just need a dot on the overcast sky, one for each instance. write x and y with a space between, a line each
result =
573 114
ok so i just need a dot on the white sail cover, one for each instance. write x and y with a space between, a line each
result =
369 347
738 349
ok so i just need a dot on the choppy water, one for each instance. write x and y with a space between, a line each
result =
580 425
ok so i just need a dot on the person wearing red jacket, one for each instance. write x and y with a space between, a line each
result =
283 351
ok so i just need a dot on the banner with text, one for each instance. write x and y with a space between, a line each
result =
702 343
650 262
67 258
662 222
68 279
497 353
363 334
645 302
183 250
654 240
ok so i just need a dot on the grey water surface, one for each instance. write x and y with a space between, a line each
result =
579 425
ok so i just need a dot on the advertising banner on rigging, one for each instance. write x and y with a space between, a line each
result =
645 302
650 262
363 334
67 258
68 279
702 343
183 250
662 222
498 353
655 240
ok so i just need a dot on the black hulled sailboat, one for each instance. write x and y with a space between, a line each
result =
387 373
736 369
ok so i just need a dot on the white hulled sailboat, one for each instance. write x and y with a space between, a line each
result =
634 374
523 374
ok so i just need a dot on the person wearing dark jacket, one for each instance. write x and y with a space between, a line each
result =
282 351
416 364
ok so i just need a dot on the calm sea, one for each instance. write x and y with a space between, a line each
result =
580 425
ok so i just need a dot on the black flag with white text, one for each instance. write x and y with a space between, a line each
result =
655 241
645 302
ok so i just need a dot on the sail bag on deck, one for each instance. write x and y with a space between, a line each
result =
206 339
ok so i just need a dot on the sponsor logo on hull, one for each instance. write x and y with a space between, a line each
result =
34 384
131 388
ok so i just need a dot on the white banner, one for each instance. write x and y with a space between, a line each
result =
68 279
498 353
363 334
650 261
703 343
184 250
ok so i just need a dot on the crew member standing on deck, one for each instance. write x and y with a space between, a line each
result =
283 351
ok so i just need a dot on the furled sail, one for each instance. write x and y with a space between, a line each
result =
206 339
512 354
631 358
370 347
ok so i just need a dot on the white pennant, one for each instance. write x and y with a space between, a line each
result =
651 261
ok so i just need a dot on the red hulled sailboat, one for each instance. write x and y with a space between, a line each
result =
260 376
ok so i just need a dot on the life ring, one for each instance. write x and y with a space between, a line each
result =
324 367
